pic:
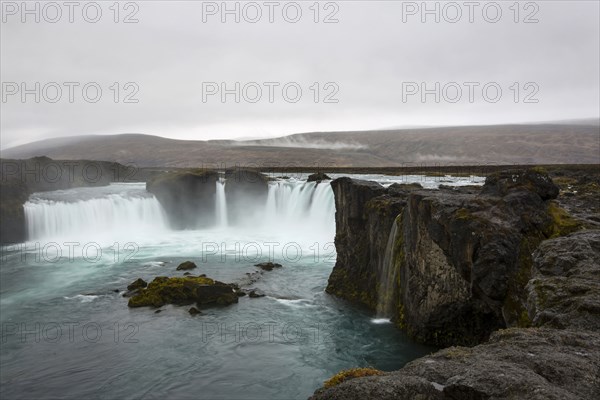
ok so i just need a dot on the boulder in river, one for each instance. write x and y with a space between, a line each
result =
186 265
137 284
183 291
194 311
254 293
268 266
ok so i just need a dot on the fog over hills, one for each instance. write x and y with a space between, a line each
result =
571 142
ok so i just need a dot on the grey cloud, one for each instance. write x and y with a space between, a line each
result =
368 54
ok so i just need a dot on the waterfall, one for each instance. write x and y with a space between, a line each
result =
387 277
293 210
221 204
302 207
127 213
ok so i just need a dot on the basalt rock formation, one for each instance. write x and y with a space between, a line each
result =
504 268
364 215
461 258
188 197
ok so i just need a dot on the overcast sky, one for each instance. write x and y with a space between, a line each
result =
373 61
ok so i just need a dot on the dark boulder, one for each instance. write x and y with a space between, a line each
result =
137 284
318 177
194 311
186 265
253 294
268 266
534 180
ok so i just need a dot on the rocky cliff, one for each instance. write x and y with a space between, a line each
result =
365 213
471 262
462 256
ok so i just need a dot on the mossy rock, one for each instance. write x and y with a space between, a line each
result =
562 223
183 291
345 375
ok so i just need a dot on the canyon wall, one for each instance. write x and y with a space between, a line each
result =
503 268
462 255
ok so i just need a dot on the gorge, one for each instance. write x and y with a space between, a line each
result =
507 264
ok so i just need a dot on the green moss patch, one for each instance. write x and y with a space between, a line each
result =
182 291
562 223
347 374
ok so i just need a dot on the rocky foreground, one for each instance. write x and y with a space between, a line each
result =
504 268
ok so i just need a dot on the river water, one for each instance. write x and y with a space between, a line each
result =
67 331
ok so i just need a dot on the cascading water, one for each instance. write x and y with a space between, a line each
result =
387 277
300 209
304 208
94 213
221 206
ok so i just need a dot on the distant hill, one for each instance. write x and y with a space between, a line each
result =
551 143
